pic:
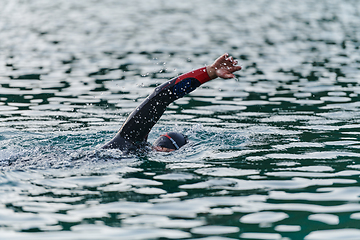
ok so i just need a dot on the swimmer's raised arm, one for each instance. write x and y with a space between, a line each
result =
139 123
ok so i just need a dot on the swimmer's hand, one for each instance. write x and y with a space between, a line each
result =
223 67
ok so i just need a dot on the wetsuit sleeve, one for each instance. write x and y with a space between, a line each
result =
139 123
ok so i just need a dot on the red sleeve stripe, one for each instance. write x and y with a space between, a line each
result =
200 74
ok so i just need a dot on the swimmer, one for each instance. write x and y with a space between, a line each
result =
135 130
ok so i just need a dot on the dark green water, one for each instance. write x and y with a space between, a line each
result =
274 153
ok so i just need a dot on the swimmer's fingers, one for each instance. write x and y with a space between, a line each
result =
223 67
235 68
227 72
226 61
222 73
222 59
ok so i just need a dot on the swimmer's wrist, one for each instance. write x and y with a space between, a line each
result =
211 71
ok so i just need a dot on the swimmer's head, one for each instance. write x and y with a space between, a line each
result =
169 142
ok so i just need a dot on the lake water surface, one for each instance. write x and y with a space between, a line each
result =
274 153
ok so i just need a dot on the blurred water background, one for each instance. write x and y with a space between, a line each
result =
274 153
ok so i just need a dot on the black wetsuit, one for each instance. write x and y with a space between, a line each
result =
137 126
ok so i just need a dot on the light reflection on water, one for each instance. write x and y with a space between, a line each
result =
273 153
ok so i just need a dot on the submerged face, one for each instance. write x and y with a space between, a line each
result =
162 149
169 142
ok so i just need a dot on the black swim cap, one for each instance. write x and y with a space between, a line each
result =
171 140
